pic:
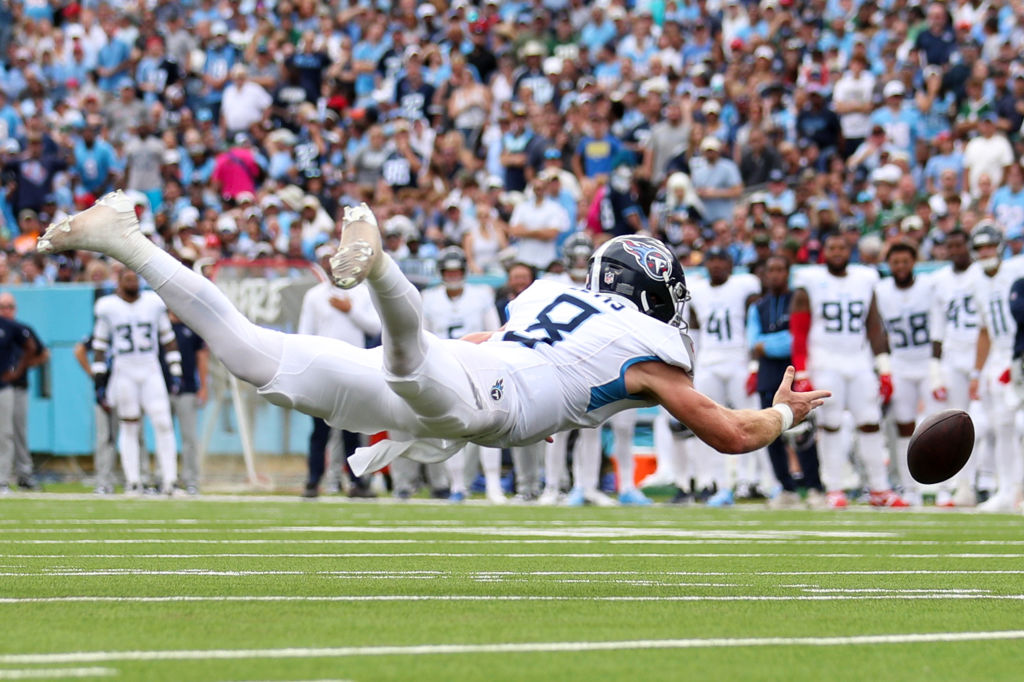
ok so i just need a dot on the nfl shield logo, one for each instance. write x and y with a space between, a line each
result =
609 277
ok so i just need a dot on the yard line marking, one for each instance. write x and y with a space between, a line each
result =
205 572
53 673
493 598
515 555
164 540
519 647
574 532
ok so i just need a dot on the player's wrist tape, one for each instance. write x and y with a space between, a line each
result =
753 366
98 368
787 415
175 369
173 357
974 375
883 364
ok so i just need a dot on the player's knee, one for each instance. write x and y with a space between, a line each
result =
905 429
162 423
868 428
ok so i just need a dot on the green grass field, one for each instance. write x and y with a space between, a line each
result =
280 589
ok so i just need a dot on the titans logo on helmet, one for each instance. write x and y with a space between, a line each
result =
654 261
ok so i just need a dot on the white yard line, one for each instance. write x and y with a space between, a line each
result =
56 673
524 647
205 572
495 598
516 555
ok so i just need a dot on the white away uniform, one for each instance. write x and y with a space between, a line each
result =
840 360
955 322
906 314
131 334
839 356
999 399
723 358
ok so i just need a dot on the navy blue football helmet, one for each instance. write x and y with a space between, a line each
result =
644 271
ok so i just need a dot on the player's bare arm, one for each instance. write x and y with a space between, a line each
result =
980 357
726 430
880 348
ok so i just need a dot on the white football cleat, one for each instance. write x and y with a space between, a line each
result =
965 496
549 497
110 224
599 499
359 254
495 495
999 504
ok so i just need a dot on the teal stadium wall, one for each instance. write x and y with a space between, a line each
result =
61 395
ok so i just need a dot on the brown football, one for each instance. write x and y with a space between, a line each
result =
940 446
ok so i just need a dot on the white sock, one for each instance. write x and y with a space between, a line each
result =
490 462
554 461
872 453
1007 457
457 471
250 352
831 456
128 448
908 482
166 450
624 456
664 446
681 462
400 306
586 460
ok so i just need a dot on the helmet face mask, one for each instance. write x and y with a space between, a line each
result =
643 271
577 251
987 234
452 259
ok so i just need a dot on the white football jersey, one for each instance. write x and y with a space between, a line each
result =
133 332
906 314
453 318
956 317
993 296
721 313
839 310
569 349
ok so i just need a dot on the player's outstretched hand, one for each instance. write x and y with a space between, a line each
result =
800 402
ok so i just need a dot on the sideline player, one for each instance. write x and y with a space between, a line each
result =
567 357
836 329
990 380
905 304
718 311
131 325
451 310
955 323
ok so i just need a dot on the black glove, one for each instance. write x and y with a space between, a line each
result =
99 382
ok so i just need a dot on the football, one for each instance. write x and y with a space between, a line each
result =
940 446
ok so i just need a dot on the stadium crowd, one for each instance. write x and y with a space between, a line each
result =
749 128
